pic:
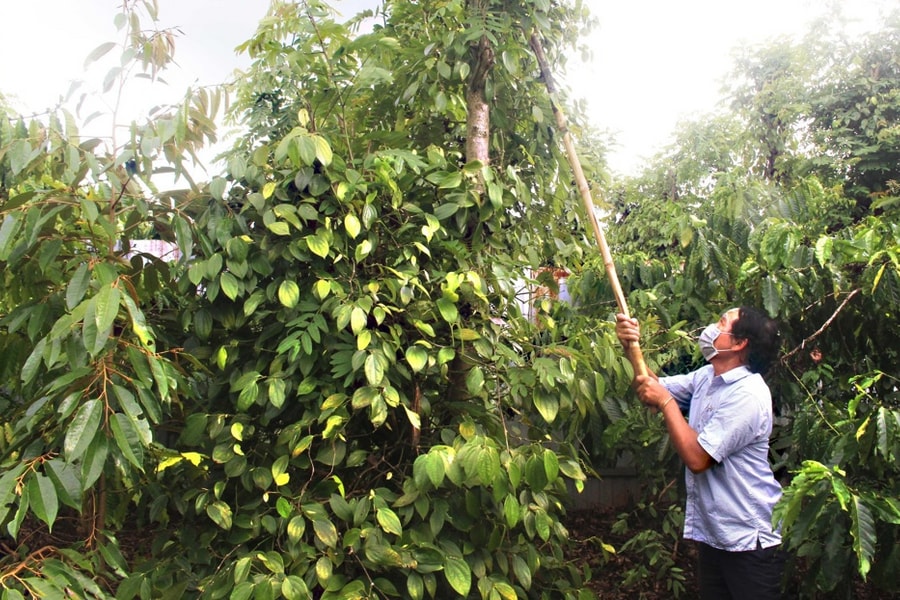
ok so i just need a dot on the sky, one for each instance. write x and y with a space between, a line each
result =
654 61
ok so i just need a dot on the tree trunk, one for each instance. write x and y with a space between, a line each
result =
478 138
478 121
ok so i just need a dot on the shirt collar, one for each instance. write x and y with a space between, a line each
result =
736 373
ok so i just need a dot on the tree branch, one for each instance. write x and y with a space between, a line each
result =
821 329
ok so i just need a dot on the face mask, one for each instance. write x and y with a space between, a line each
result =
707 337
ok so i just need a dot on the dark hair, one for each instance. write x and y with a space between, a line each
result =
761 334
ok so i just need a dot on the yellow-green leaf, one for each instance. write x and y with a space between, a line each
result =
547 406
323 570
352 225
358 320
468 335
294 588
363 250
417 357
389 521
220 513
296 527
323 150
221 357
318 245
139 323
279 228
374 370
289 293
363 339
326 532
322 288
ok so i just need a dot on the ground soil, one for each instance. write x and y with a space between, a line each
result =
588 528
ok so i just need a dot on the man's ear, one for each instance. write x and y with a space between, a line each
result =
739 344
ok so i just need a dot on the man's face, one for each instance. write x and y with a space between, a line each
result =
726 340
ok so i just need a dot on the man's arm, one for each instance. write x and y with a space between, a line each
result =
685 439
683 436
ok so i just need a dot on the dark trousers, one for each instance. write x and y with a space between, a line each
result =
752 575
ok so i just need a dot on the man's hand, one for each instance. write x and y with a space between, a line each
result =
650 391
627 330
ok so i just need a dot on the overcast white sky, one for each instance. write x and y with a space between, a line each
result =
655 61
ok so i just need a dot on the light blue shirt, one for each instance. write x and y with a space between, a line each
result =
729 505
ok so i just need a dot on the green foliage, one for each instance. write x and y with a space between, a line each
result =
85 382
332 390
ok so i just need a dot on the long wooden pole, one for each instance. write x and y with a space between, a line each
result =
633 350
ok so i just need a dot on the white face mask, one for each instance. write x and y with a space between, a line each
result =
706 339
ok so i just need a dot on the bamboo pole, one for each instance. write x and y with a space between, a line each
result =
633 350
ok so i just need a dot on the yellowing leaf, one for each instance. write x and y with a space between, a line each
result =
389 521
289 293
195 458
363 339
352 225
363 250
296 527
279 228
268 190
358 320
168 462
323 150
547 406
322 288
318 245
221 357
417 357
326 532
220 513
468 335
374 370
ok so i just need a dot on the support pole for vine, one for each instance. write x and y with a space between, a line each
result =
633 350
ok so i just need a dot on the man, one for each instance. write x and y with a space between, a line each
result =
725 445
